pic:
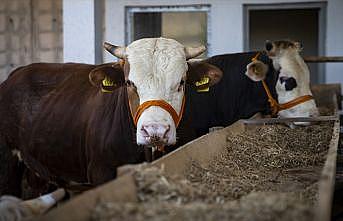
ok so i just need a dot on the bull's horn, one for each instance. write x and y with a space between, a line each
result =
117 51
193 52
43 203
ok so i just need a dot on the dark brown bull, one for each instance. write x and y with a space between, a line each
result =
19 101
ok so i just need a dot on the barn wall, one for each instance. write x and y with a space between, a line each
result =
79 31
334 37
227 19
30 31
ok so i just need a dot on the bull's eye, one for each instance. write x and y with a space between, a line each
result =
130 83
182 83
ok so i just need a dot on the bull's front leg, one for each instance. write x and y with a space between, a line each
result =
100 172
11 170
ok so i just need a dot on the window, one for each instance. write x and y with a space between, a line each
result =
186 24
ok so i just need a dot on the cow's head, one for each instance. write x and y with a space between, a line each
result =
155 72
277 49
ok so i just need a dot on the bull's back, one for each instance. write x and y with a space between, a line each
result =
238 96
234 97
21 93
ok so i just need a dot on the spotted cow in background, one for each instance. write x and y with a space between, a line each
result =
294 79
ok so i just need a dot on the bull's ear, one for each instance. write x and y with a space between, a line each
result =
257 70
107 78
203 75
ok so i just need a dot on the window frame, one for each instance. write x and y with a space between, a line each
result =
130 10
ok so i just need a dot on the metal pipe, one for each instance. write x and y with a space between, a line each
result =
319 59
290 120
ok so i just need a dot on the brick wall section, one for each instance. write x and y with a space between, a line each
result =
15 35
48 39
30 31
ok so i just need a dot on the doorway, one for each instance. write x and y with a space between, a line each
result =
303 23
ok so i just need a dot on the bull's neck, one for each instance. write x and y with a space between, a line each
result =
126 102
293 64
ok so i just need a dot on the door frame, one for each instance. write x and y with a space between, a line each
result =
322 6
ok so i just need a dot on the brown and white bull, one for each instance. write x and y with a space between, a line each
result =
76 123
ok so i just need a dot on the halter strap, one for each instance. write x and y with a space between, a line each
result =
159 103
256 56
276 107
164 105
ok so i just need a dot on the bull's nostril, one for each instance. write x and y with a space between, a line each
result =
166 132
154 139
155 133
144 132
269 46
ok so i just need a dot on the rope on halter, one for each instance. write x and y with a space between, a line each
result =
256 56
274 105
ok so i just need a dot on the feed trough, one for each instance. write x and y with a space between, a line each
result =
255 169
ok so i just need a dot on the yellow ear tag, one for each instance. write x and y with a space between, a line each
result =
203 81
107 83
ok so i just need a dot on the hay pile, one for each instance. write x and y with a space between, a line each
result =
255 206
266 174
271 158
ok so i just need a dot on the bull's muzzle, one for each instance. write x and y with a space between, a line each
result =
156 134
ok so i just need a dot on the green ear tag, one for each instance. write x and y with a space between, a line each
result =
107 83
203 84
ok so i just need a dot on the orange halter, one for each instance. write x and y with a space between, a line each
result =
274 105
164 105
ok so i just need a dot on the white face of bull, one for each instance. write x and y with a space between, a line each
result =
158 70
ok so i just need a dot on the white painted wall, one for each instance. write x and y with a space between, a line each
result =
78 31
226 27
334 40
226 20
229 40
